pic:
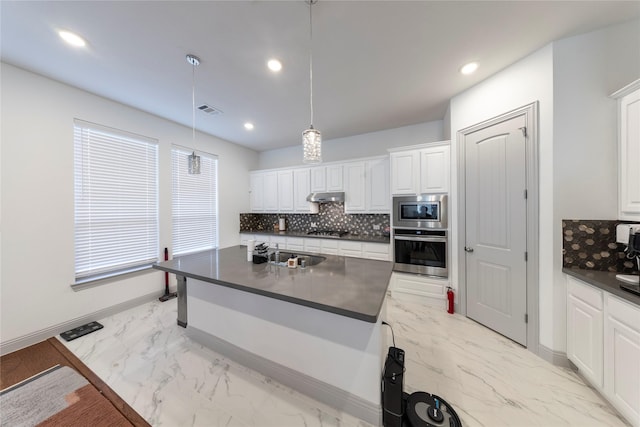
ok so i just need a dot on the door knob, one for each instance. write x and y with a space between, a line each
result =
468 249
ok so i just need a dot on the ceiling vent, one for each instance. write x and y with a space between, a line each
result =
213 111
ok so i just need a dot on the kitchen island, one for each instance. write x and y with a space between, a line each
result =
317 329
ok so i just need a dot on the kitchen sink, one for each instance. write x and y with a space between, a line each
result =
310 259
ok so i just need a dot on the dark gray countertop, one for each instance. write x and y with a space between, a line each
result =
351 287
604 280
352 237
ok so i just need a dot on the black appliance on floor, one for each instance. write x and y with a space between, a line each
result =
419 409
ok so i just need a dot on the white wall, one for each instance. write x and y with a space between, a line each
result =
37 199
352 147
586 70
527 81
571 79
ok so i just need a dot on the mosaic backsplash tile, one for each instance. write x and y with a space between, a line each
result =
330 217
591 245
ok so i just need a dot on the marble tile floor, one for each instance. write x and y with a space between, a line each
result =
173 381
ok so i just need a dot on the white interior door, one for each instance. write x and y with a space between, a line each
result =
496 227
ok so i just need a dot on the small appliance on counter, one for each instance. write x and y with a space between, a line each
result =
629 234
260 253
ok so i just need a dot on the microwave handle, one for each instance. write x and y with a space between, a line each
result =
422 239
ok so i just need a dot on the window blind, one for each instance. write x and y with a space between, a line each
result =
194 204
116 201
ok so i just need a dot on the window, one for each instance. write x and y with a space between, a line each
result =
116 201
195 203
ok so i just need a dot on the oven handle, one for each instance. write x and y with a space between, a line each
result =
421 239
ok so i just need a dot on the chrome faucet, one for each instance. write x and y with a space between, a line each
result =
276 255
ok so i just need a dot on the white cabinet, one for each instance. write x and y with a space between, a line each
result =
312 245
329 247
285 191
405 168
295 243
352 249
434 169
301 189
629 151
585 329
354 187
367 186
622 357
603 341
421 169
256 191
379 251
326 178
423 289
270 191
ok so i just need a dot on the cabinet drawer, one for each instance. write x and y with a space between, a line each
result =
312 245
295 243
379 251
585 292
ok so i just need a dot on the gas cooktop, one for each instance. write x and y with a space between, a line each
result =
327 233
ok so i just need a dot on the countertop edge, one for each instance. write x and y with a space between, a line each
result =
369 318
603 280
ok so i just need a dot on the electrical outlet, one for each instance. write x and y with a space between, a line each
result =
376 226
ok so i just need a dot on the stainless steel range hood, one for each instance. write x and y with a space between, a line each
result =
326 197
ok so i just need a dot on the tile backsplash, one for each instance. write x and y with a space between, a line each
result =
591 245
330 217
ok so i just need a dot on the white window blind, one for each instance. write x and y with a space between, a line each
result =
195 203
116 201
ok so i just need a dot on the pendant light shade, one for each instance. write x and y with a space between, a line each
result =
193 160
311 138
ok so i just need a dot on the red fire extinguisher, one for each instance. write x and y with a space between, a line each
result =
449 300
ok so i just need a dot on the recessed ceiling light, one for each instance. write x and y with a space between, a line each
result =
248 126
469 68
274 65
72 39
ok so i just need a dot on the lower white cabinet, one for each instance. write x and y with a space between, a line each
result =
369 250
603 341
622 357
425 289
379 251
584 329
352 249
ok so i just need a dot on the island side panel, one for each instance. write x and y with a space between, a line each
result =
345 353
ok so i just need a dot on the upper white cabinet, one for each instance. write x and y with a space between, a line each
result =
270 190
326 179
285 191
434 169
256 191
367 186
629 151
301 189
405 167
421 170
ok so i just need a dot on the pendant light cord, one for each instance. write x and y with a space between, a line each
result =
311 2
193 106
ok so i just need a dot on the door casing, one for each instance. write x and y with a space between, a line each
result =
530 113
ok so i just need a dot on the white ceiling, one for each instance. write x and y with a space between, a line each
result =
377 64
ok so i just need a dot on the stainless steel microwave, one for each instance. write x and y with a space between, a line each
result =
420 211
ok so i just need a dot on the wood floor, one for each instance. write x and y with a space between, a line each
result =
22 364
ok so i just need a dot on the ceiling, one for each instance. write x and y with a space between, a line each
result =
376 64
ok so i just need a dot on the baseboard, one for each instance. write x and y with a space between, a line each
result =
316 389
12 345
557 358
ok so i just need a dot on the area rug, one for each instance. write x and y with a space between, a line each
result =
58 396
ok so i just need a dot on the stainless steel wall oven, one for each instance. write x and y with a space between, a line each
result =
420 240
421 251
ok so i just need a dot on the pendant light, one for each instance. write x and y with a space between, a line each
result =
193 160
311 138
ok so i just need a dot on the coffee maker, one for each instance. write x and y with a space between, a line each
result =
629 235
